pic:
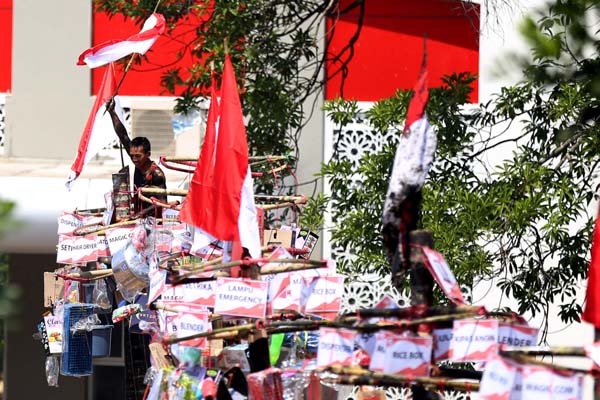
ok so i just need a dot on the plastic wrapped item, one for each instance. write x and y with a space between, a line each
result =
52 370
139 237
265 385
85 324
100 295
125 311
71 294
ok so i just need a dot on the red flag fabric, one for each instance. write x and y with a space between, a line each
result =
416 107
591 312
99 130
220 198
113 50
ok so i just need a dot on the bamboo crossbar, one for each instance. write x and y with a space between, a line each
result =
312 325
560 351
358 376
251 159
295 265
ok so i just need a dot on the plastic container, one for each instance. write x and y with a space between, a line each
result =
130 270
101 337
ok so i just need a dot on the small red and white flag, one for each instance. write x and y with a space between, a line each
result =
220 199
113 50
99 130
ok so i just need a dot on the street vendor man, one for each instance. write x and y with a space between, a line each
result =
147 173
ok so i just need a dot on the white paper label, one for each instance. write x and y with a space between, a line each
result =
498 379
474 340
407 355
542 383
443 275
335 346
323 294
441 343
118 238
241 297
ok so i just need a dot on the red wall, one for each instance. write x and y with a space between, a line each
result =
388 53
5 45
143 79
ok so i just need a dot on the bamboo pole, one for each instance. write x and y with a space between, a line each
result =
358 376
312 325
295 265
251 159
565 351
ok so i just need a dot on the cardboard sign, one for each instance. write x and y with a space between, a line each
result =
335 346
542 383
191 323
278 237
76 249
118 238
68 222
407 355
441 343
54 332
443 275
53 289
498 379
102 245
241 297
323 293
515 334
474 340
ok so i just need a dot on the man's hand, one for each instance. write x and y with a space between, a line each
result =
110 105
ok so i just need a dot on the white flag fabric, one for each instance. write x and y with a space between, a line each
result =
113 50
99 130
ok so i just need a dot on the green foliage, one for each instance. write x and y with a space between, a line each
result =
273 48
511 191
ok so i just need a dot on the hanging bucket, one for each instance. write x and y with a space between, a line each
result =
101 336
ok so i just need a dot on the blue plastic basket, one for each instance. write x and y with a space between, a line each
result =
77 355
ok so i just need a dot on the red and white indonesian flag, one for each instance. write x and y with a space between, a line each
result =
415 151
113 50
99 130
220 199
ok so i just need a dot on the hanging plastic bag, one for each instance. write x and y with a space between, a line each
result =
52 371
100 295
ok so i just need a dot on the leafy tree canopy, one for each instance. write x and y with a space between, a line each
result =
510 192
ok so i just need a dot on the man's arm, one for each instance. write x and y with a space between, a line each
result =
118 125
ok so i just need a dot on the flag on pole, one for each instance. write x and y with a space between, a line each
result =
591 312
113 50
414 156
203 174
220 199
99 130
